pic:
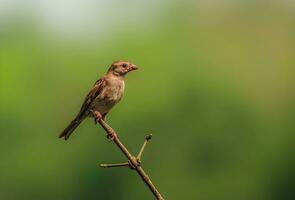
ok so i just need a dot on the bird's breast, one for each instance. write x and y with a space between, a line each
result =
110 96
114 90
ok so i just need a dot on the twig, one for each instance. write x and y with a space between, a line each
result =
114 165
147 138
133 162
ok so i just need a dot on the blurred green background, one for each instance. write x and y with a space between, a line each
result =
215 88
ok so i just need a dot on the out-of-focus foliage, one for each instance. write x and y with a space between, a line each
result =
215 88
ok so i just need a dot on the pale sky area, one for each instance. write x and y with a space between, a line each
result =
80 17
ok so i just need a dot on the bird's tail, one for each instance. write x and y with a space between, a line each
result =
71 127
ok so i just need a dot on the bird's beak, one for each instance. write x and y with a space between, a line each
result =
134 67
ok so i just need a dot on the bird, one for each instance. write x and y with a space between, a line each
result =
104 95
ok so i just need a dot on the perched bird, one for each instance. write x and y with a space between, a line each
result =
104 95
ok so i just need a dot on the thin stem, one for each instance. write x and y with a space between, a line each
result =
133 161
147 138
114 165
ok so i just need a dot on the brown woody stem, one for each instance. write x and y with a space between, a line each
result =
114 165
147 138
133 162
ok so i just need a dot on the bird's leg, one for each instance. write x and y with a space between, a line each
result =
97 116
111 136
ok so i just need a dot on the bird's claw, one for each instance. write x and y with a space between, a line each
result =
97 117
111 136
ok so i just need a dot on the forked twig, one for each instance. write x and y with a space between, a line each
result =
133 162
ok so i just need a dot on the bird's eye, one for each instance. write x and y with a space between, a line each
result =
124 65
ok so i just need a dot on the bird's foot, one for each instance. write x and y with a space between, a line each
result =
97 117
111 136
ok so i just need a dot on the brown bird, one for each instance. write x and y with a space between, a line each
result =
104 95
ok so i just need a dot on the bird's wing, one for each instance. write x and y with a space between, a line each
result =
94 92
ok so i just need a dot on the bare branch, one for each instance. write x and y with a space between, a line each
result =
114 165
133 162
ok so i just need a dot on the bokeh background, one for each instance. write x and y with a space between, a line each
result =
215 88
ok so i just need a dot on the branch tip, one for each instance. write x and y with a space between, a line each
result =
148 137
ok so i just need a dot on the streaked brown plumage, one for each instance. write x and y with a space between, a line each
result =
104 95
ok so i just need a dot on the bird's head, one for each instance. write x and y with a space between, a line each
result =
121 68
